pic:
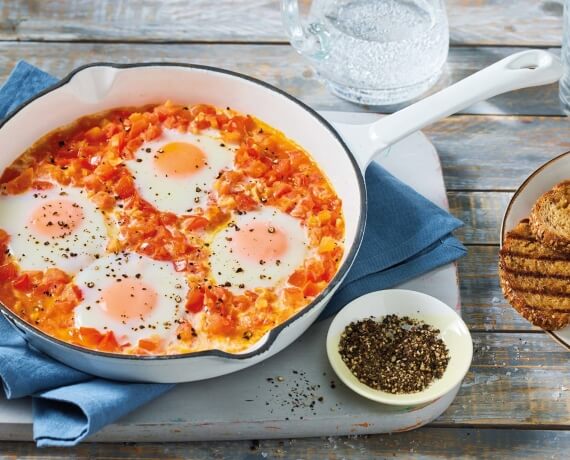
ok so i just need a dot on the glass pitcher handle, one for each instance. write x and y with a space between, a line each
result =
313 40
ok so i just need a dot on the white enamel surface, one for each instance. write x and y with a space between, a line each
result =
520 70
541 181
417 305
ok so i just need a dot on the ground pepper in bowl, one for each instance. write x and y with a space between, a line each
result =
396 354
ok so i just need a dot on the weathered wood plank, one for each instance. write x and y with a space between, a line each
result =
482 213
276 64
466 443
496 152
515 379
483 306
526 22
531 23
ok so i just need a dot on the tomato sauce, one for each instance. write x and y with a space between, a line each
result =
269 170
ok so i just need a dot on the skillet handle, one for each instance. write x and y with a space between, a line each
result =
519 70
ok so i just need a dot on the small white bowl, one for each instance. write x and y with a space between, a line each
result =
416 305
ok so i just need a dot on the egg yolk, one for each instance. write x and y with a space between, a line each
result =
180 159
260 242
129 299
56 218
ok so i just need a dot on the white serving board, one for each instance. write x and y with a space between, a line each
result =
246 405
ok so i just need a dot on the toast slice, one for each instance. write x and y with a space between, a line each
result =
535 278
550 217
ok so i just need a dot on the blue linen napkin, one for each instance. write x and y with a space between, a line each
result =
406 235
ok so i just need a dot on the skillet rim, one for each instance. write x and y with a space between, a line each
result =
273 333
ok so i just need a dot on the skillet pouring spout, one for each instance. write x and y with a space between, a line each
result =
520 70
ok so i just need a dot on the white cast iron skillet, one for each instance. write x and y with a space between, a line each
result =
98 87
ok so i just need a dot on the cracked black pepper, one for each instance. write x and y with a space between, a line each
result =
395 354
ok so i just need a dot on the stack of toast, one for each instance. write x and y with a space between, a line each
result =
534 262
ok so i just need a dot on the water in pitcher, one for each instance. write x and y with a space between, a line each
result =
380 52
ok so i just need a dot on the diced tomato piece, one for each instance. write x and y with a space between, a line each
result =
110 129
312 289
216 216
256 168
280 189
298 278
77 292
4 237
23 282
223 325
125 187
138 127
180 265
103 200
195 300
283 167
327 244
168 218
195 223
232 136
324 216
149 344
245 202
152 132
105 171
21 182
8 272
41 185
117 142
222 120
9 174
241 124
185 332
55 275
109 342
203 108
315 270
202 124
90 337
252 153
293 297
93 182
131 147
95 134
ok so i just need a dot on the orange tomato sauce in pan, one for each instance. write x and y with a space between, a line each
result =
268 170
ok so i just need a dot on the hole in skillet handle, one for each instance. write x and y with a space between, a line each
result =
531 60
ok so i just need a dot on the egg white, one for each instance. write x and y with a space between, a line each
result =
70 252
239 274
176 194
170 286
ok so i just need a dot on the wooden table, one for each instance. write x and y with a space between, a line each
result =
515 401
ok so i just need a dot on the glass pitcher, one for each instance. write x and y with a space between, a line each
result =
374 52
